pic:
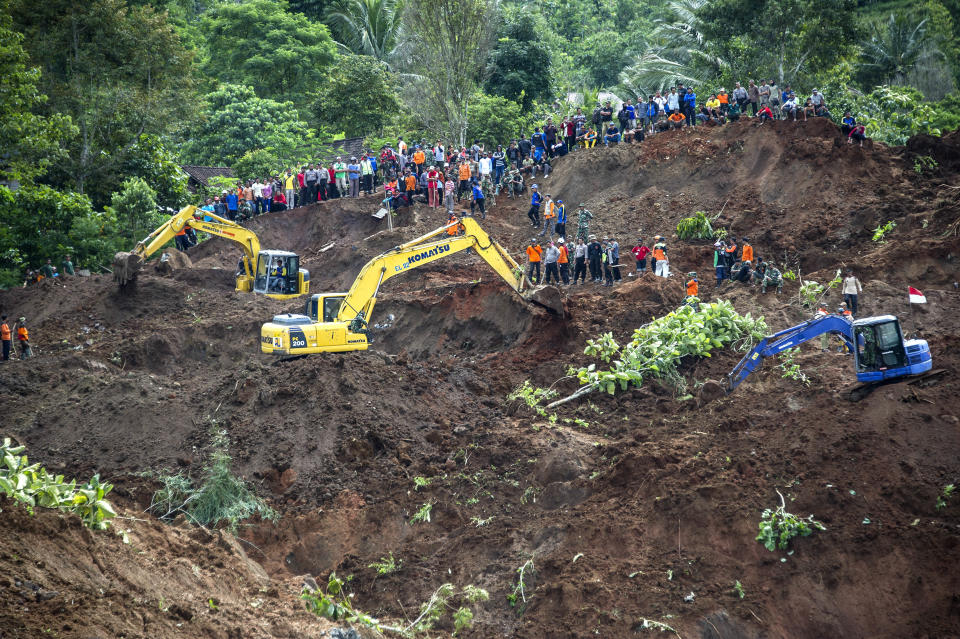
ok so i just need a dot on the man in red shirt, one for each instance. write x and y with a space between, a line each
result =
432 177
640 252
570 133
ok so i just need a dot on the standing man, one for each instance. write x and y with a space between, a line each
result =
851 291
549 215
433 175
550 258
340 175
232 202
499 166
563 261
366 174
640 252
583 222
720 261
570 133
535 201
690 106
310 179
594 253
740 96
47 269
66 268
580 262
550 136
534 254
5 338
561 226
615 261
660 253
478 201
353 172
753 94
23 336
448 188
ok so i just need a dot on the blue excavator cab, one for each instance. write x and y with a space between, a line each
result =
880 352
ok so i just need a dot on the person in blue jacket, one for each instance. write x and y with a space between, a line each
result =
690 106
561 225
535 201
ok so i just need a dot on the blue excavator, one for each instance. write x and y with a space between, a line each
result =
880 352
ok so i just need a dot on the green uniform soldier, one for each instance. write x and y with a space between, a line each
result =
67 266
486 186
772 276
583 222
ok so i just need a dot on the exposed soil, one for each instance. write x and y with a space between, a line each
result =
623 518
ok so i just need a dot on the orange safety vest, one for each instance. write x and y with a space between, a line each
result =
724 98
464 171
676 117
533 252
693 288
5 332
22 334
549 213
748 253
411 182
658 254
563 255
732 249
419 157
453 229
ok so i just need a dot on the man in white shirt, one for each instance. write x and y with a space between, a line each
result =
258 197
486 165
673 100
789 108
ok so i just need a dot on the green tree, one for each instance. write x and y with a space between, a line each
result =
117 71
151 160
369 27
257 164
235 121
495 119
358 97
260 44
894 49
134 207
450 36
784 39
29 141
519 64
602 55
38 222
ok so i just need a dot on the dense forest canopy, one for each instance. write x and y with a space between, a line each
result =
103 99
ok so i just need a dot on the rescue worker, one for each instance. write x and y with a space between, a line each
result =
180 240
594 251
47 269
549 215
731 254
615 262
693 290
660 254
583 222
607 258
535 201
534 255
23 336
741 272
561 225
67 266
454 227
563 261
747 251
5 338
772 276
720 261
580 262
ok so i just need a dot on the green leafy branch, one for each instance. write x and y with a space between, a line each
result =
778 527
32 486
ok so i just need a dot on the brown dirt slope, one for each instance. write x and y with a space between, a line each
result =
626 505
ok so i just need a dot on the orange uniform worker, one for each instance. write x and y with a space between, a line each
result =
747 251
23 336
534 254
5 337
693 284
418 159
563 261
676 120
464 174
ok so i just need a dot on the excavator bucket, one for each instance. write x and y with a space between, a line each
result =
548 297
125 267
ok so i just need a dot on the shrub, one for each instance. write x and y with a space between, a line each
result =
778 527
697 227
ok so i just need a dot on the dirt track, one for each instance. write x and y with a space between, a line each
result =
624 518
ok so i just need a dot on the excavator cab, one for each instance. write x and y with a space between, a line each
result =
278 275
882 353
324 307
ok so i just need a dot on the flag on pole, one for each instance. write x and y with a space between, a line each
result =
916 297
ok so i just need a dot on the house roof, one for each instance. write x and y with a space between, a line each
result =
202 174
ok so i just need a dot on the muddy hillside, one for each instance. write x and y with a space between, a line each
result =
632 510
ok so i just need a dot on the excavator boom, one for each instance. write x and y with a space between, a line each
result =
338 321
127 265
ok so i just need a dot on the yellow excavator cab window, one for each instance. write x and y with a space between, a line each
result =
331 305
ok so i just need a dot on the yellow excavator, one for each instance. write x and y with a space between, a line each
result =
337 322
276 274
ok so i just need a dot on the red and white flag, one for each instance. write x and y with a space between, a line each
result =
916 297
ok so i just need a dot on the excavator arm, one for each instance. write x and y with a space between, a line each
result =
357 306
337 322
126 265
788 338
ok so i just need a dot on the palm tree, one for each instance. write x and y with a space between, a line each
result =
679 52
897 47
369 27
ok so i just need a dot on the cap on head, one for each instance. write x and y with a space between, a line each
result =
560 240
22 319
